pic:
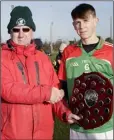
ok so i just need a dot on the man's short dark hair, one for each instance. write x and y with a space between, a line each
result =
82 10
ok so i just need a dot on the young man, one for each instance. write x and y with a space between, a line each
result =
90 54
30 91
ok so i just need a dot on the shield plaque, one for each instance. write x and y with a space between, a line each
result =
92 99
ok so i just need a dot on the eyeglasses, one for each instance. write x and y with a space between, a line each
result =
17 30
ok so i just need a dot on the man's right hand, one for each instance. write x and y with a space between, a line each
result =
56 95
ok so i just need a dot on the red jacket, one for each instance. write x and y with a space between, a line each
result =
27 78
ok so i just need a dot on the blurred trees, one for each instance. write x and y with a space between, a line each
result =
46 44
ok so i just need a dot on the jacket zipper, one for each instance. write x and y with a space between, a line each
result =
37 72
20 66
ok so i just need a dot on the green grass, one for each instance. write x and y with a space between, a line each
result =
61 130
53 56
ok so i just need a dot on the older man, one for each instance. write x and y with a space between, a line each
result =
30 91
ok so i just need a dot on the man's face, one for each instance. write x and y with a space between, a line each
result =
85 27
22 35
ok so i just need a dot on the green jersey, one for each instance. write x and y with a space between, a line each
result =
77 61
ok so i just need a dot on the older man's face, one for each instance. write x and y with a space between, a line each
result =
22 35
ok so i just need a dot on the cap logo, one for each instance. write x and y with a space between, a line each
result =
20 22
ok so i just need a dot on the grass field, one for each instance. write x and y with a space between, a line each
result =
61 130
53 56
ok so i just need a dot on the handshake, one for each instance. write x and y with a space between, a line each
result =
56 95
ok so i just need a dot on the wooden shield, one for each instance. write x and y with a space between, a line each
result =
92 99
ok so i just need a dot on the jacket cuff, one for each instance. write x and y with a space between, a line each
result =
65 116
46 92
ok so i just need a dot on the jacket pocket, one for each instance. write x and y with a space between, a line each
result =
5 114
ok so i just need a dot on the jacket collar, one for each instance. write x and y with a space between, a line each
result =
23 50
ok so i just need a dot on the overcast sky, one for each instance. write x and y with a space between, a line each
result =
58 12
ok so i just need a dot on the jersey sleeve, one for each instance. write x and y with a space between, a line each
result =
62 69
